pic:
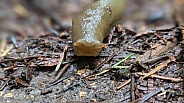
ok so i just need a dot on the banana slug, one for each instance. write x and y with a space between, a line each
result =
90 26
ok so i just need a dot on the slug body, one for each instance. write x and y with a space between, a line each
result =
90 26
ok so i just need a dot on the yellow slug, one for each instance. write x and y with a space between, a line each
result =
90 26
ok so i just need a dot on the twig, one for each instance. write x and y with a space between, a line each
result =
61 59
103 62
135 50
120 67
9 68
6 51
133 88
91 75
142 100
114 66
62 71
161 77
123 84
19 59
73 84
143 33
153 60
3 43
4 84
56 82
103 72
159 37
163 64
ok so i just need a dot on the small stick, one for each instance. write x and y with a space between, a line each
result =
116 65
151 94
157 68
19 59
161 77
62 71
7 51
100 66
61 59
9 68
123 84
142 100
103 62
122 60
153 60
159 37
4 84
136 50
143 33
56 82
3 43
133 87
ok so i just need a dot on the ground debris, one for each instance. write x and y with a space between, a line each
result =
21 64
138 65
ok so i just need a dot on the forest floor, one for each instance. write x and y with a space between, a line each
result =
143 61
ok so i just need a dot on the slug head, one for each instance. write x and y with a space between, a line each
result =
84 48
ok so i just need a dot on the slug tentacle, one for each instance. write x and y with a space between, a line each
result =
90 26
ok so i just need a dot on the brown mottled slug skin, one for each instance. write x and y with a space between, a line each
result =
90 26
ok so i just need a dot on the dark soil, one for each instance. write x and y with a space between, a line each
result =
35 40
